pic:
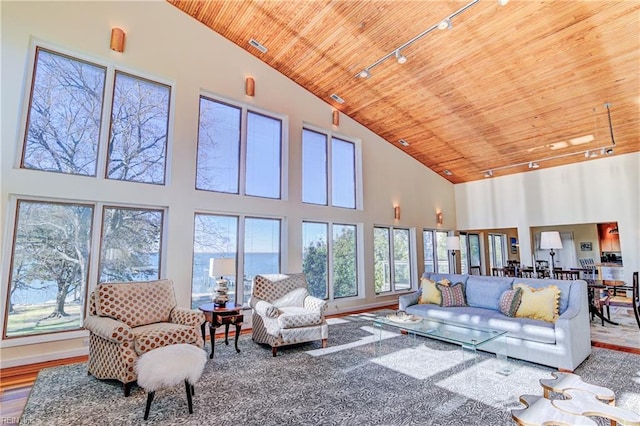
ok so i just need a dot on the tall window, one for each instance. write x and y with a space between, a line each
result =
218 236
392 259
330 263
218 161
49 267
464 254
497 252
65 116
314 167
139 129
131 241
222 130
261 250
436 255
323 162
264 141
65 111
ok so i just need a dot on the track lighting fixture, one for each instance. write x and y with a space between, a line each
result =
444 24
590 153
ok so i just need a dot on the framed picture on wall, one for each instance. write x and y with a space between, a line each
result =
514 245
586 247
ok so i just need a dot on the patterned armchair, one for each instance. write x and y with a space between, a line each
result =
128 319
284 313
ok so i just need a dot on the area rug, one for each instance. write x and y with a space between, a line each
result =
366 376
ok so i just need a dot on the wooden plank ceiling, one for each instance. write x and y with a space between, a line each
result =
505 86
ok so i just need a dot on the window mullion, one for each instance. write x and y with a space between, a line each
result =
392 262
242 189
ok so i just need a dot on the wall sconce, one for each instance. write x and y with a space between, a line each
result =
396 212
336 118
117 39
250 86
439 219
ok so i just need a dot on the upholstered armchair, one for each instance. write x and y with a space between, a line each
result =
284 313
126 320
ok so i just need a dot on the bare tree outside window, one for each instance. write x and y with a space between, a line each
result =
139 128
49 267
131 241
63 123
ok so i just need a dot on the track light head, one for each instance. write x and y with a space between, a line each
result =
608 151
488 173
534 165
445 24
400 57
364 73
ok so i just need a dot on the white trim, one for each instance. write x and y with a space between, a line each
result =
44 338
51 356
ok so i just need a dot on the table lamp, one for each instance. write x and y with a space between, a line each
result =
453 244
221 267
548 241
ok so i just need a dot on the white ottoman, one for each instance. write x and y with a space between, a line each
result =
169 366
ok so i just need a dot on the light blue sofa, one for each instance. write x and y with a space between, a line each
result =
563 345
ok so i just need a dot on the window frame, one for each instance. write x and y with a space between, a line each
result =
413 273
434 249
357 164
330 289
245 109
240 252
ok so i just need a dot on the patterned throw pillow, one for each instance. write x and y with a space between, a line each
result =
430 294
510 301
452 295
539 303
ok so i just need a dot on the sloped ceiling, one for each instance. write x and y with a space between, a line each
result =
503 87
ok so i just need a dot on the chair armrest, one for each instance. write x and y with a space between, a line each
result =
315 304
266 309
186 316
108 328
407 300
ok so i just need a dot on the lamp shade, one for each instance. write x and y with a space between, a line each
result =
550 240
453 243
222 267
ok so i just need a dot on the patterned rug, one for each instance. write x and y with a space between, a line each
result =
357 380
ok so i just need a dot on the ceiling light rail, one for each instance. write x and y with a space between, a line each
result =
443 24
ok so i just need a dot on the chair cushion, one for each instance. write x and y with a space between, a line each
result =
136 303
294 317
153 336
293 298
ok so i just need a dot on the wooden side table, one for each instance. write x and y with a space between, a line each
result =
217 316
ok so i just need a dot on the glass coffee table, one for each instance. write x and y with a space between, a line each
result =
468 337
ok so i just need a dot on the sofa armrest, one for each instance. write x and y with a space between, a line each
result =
407 300
266 309
315 304
186 316
108 328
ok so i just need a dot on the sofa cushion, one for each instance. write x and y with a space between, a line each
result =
452 295
510 301
563 285
153 336
294 317
484 291
454 278
136 303
519 328
429 291
539 303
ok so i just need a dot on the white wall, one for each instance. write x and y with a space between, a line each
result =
602 190
164 43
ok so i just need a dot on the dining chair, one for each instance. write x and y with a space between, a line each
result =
614 299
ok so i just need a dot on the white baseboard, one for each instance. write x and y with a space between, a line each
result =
51 356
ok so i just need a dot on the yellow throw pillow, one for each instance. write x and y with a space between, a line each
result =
430 293
539 303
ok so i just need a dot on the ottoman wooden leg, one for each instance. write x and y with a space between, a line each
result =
150 396
188 387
